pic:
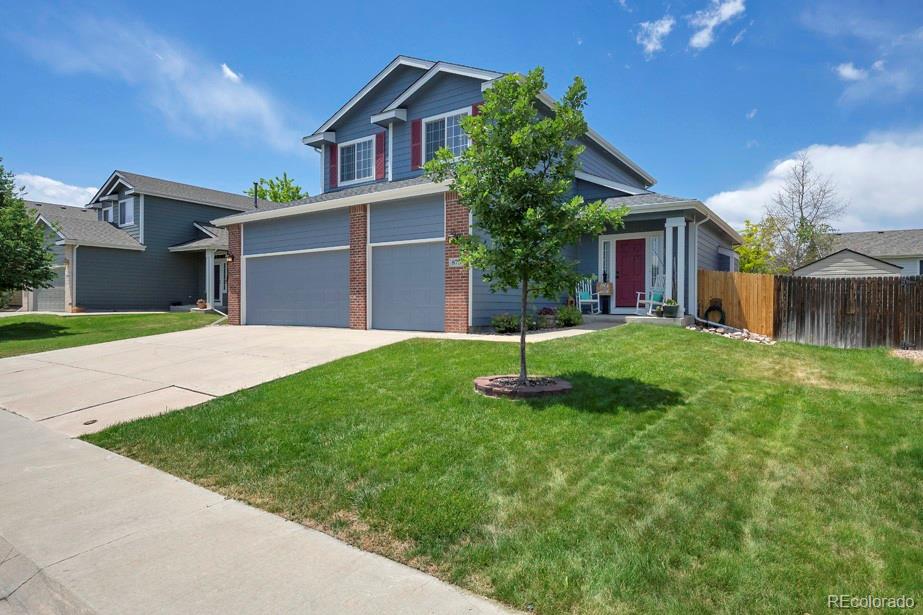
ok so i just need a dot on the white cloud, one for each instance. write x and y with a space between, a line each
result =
193 94
738 37
579 41
879 179
652 33
229 74
849 72
752 113
708 19
624 5
47 190
751 143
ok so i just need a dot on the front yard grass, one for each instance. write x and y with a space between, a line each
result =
41 332
685 473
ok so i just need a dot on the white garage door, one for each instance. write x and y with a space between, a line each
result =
298 289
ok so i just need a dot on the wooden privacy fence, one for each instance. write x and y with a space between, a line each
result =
841 312
748 299
850 312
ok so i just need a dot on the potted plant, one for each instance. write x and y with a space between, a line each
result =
670 307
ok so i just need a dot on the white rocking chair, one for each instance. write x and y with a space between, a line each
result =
648 301
584 295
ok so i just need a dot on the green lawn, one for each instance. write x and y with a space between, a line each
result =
27 334
685 473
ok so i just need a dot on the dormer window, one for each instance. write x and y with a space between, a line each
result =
126 212
107 214
445 131
357 160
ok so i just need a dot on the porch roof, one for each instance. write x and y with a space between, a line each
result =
216 238
653 202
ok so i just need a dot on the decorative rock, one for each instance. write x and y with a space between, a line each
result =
743 334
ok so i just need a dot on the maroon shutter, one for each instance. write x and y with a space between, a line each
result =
476 109
334 171
416 144
379 155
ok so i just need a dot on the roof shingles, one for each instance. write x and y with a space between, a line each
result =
906 242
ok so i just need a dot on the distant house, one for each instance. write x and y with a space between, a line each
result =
141 244
870 253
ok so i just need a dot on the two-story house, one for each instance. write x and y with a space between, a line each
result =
372 249
141 244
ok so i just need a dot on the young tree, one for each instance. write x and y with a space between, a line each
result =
758 247
802 214
25 260
279 189
516 178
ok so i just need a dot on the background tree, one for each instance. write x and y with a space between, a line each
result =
757 252
25 260
802 214
516 178
278 189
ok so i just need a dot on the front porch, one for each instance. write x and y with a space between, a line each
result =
211 265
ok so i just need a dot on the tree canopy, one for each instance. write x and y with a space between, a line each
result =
517 178
25 261
280 189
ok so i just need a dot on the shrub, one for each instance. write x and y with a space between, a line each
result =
568 316
546 311
509 323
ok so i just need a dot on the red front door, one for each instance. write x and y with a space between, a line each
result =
629 271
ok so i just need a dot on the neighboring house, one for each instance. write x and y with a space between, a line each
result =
848 263
869 253
142 243
372 250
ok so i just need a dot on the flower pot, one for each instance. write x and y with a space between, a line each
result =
669 311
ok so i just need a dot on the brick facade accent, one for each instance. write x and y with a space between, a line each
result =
358 252
235 250
456 278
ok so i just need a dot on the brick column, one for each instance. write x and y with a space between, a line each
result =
358 246
456 278
235 245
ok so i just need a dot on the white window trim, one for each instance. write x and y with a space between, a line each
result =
434 118
127 205
358 180
107 214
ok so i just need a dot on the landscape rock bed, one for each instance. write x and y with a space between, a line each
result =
734 334
508 386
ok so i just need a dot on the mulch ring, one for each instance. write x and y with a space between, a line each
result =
508 386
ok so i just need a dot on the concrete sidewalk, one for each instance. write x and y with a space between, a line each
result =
83 530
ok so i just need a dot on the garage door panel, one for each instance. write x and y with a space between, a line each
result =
408 287
299 289
51 299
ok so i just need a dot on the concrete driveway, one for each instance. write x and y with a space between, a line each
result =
88 388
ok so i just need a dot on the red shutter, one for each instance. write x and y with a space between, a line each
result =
476 109
379 155
416 144
334 171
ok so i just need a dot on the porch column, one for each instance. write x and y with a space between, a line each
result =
668 262
210 278
679 226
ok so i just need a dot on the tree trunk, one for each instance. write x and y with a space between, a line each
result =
523 375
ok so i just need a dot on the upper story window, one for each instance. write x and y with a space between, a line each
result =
126 212
357 160
108 215
444 131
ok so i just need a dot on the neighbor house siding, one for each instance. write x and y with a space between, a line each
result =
357 122
149 279
909 266
846 264
323 229
443 93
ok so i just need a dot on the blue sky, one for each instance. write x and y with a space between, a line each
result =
712 97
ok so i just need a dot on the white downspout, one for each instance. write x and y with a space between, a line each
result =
694 286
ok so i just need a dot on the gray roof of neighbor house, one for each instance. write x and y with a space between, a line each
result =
906 242
216 238
178 191
78 225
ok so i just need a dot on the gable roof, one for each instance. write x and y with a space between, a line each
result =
80 226
906 242
215 238
153 186
368 87
436 69
654 202
883 265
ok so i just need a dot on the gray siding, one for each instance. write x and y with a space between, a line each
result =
132 229
595 161
357 123
323 229
592 192
299 289
846 265
154 278
709 241
443 93
418 218
408 287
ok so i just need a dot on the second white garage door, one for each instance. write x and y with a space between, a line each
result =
298 289
408 287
